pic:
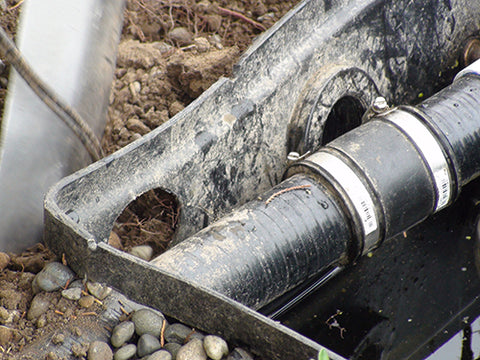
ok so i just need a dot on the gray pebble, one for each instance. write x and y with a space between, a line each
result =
99 350
144 252
193 350
76 284
40 304
147 322
160 355
215 347
172 348
122 333
239 354
125 352
177 333
53 276
147 344
72 293
98 290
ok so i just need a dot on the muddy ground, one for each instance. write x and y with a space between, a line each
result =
170 52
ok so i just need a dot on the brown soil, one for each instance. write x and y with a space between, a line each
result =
170 52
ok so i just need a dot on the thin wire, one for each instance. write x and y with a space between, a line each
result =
66 113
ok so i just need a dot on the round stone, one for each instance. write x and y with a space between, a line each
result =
177 333
99 350
160 355
172 348
40 304
215 347
125 352
86 301
53 276
181 36
122 333
147 344
193 350
148 322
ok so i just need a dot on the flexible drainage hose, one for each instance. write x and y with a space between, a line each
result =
366 186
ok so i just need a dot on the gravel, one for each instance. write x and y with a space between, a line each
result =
147 322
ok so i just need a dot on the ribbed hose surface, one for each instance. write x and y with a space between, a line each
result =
266 247
455 113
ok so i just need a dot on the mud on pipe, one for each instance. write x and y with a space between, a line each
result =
366 186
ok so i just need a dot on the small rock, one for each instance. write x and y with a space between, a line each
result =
214 22
114 240
58 339
6 335
177 333
72 293
77 331
215 347
160 355
147 344
193 350
79 350
53 276
144 252
135 88
99 350
98 290
3 313
40 304
239 354
175 107
139 127
181 36
125 352
216 41
135 136
86 301
162 46
201 44
41 321
51 356
122 333
4 260
148 322
172 348
8 316
76 284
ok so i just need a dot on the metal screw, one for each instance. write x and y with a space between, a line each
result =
472 51
380 105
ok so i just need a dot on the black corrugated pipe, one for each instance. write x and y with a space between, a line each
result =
368 185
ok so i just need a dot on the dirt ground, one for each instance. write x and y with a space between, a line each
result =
170 52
